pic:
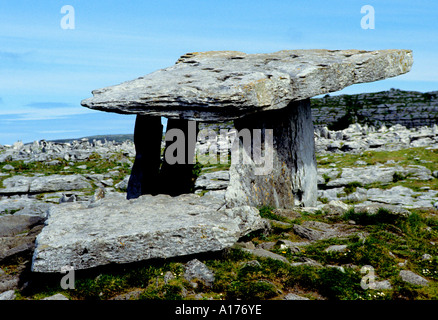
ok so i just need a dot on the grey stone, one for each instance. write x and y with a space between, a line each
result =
58 183
16 184
18 245
413 278
8 167
374 208
287 244
402 196
258 252
233 84
382 285
168 276
306 261
336 207
220 194
57 297
131 295
308 233
123 231
11 225
289 176
213 181
195 269
426 256
316 230
8 295
244 245
376 173
123 185
9 283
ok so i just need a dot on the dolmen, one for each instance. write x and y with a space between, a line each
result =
272 153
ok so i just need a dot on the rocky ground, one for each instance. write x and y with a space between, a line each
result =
377 207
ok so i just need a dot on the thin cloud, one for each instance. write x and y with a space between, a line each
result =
35 111
48 105
58 131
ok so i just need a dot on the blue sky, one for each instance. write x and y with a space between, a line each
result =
45 70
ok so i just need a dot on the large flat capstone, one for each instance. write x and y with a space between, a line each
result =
116 230
227 85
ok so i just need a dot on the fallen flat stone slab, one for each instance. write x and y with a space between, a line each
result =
16 185
58 182
122 231
226 85
54 182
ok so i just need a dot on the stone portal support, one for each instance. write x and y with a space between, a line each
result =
293 178
176 175
145 172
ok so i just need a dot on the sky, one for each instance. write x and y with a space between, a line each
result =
48 65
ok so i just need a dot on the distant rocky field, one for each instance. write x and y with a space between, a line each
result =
377 207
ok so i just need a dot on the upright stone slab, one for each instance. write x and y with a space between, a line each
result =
176 174
291 177
145 171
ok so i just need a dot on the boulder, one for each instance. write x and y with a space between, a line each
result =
196 270
122 231
8 295
413 278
